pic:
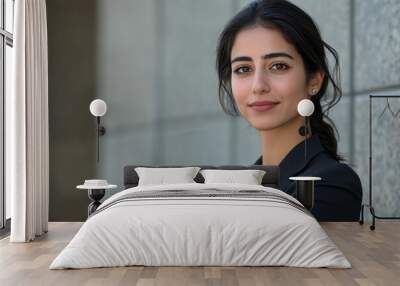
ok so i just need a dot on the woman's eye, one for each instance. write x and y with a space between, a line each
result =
241 70
279 66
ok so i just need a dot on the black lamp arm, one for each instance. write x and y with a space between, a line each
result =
101 130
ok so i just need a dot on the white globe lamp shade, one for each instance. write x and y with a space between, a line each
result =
98 107
305 107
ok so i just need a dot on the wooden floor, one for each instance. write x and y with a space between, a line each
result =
374 255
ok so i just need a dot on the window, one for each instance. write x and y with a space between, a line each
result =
6 60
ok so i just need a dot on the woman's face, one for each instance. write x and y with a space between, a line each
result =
265 67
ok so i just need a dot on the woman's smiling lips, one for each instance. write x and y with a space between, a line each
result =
263 105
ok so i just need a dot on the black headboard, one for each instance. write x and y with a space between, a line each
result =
270 179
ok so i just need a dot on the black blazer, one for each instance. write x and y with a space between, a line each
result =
338 195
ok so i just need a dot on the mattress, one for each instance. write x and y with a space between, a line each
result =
201 225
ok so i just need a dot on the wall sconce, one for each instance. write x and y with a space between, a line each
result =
305 184
306 108
98 108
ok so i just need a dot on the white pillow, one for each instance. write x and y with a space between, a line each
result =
248 177
161 176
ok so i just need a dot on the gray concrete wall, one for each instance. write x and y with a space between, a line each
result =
367 37
163 67
127 80
377 71
153 63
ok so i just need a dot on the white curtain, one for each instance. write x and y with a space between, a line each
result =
27 137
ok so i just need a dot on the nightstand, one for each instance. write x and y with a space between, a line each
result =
96 191
305 190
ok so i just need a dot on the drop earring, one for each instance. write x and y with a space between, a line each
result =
303 131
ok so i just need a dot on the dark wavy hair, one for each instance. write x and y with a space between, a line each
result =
298 29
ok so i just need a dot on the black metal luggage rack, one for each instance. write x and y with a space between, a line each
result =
369 205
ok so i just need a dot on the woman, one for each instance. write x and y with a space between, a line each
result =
269 57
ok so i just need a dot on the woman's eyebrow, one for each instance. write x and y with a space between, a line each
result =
278 54
267 56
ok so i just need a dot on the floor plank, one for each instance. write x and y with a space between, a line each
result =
374 255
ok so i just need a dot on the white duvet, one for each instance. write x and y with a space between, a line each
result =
200 231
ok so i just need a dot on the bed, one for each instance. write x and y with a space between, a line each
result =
201 224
